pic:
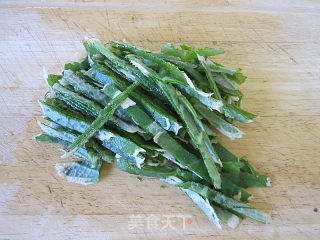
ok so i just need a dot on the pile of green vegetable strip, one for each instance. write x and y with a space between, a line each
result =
156 115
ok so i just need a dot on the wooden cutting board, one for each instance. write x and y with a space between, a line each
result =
276 43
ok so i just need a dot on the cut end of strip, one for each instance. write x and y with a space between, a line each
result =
268 182
155 138
45 74
250 198
60 167
269 219
234 222
238 196
35 136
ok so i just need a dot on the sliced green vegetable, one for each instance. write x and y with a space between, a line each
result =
190 118
158 96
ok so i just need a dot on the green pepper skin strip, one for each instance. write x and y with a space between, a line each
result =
104 115
70 137
216 121
226 202
209 77
162 172
82 153
227 217
79 172
90 108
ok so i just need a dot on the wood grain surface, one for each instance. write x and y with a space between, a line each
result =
276 43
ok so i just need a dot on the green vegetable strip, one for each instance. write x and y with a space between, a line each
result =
232 166
90 108
52 79
224 83
187 67
203 97
104 115
232 190
237 113
204 205
79 172
193 124
216 121
227 217
76 101
224 154
238 77
246 180
70 137
240 174
105 154
209 77
82 153
216 67
162 172
248 168
196 132
226 202
71 119
78 66
187 53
